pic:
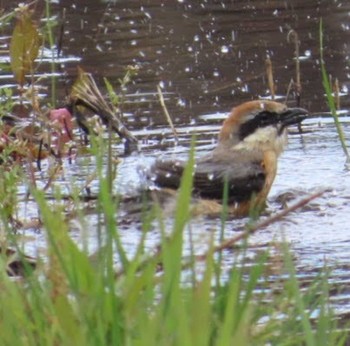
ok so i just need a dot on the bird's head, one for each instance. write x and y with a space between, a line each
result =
259 125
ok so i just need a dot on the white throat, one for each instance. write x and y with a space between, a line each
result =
264 139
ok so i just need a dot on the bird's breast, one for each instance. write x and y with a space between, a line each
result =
269 164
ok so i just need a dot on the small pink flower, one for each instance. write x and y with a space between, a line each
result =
62 119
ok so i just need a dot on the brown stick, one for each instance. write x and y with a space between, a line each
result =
253 228
269 73
294 38
336 93
167 115
230 242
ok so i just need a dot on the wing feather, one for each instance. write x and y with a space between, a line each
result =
244 177
243 180
167 173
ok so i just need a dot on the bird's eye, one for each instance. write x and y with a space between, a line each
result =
265 118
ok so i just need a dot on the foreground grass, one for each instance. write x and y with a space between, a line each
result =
77 300
331 99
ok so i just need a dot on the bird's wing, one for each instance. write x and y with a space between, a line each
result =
244 178
167 173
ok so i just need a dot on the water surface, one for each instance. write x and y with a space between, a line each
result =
208 56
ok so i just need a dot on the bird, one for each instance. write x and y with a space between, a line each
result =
244 160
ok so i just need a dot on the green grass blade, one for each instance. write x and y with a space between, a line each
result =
330 98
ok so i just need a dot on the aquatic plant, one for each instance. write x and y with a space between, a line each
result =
50 23
25 45
331 100
77 297
112 297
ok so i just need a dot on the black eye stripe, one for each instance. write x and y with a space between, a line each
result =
262 119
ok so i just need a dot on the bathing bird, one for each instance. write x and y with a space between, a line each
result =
244 160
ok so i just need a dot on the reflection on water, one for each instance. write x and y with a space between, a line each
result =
208 56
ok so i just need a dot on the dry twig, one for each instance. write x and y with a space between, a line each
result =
167 115
231 241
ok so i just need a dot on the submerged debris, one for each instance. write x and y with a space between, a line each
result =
86 93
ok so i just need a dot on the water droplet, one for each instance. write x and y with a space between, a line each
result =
181 102
216 73
233 36
245 88
224 49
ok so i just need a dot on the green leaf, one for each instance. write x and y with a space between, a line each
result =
24 46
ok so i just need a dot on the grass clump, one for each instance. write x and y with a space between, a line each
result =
76 298
331 100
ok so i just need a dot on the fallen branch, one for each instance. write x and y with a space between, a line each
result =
86 93
167 115
250 229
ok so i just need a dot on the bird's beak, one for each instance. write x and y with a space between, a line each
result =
293 116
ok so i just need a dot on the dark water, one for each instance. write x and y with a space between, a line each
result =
208 56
